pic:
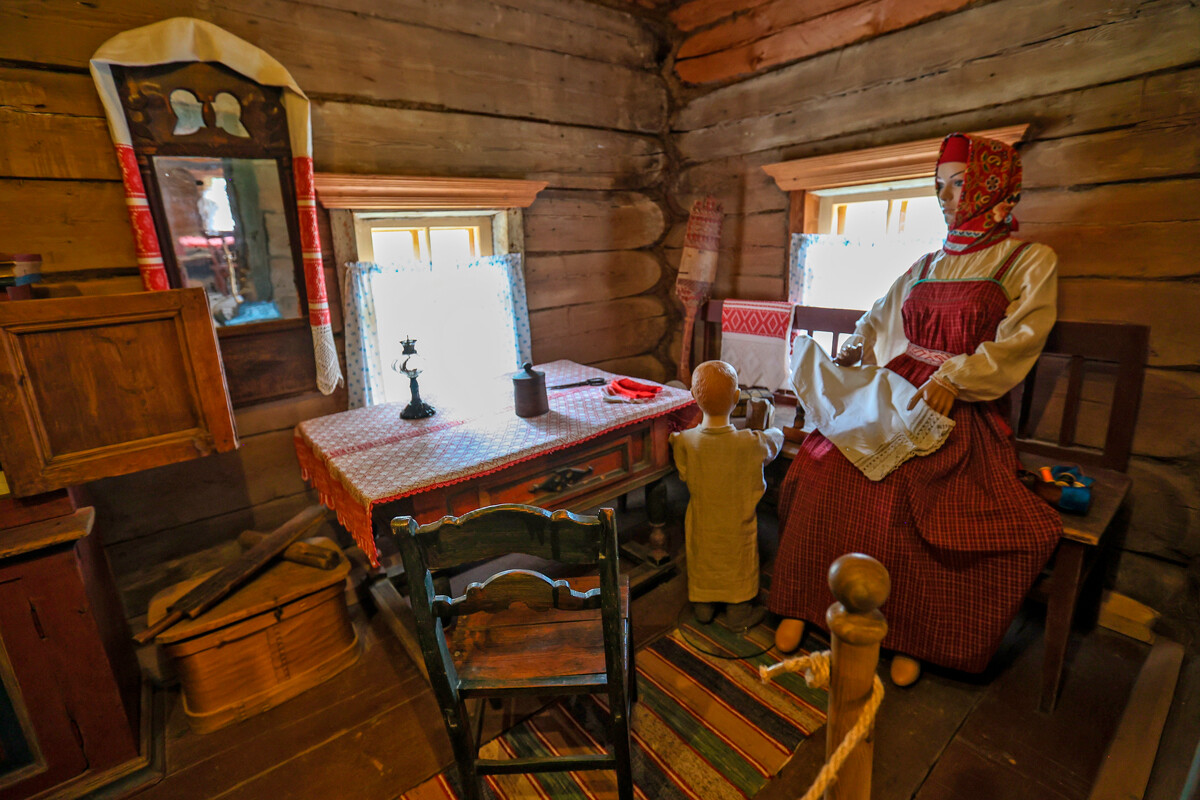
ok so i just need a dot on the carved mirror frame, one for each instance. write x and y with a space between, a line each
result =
240 119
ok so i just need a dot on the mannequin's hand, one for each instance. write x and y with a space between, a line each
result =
939 398
849 355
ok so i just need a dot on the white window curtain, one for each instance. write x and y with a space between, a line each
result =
470 322
830 271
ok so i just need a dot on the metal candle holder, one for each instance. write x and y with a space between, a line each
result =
416 408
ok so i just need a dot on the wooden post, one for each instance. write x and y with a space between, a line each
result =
861 584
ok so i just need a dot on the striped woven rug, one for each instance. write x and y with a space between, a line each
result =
704 727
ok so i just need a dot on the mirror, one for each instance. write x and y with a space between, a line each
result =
228 230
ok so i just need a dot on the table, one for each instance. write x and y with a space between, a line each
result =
368 465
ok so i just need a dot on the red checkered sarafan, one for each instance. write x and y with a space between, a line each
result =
960 536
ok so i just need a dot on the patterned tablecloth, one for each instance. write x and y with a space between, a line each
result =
361 458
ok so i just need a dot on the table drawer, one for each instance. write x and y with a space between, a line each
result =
552 481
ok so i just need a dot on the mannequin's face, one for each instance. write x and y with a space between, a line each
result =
949 184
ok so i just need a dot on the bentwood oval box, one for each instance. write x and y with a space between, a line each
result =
280 634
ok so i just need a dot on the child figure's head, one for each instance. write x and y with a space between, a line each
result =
715 387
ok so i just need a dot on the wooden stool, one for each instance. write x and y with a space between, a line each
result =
283 632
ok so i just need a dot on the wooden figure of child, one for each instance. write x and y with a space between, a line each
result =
723 469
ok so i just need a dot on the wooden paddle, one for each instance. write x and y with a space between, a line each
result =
233 575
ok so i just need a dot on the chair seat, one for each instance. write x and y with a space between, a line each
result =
518 649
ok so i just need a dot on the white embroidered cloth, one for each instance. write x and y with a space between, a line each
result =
756 340
864 411
357 459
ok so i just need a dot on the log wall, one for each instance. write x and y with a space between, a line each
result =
1112 176
563 91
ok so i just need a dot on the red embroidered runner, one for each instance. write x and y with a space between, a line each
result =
358 459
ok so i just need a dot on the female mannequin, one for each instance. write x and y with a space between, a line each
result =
961 537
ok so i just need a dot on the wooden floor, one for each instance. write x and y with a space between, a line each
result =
373 731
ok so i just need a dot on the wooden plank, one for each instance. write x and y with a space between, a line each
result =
698 13
1130 757
582 29
921 50
360 138
440 68
74 225
761 21
1167 397
563 280
574 221
807 38
1123 204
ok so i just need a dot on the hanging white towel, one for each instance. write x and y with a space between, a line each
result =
756 340
864 411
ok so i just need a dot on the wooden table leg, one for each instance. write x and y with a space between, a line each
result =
656 514
1060 611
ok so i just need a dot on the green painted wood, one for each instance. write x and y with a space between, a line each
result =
523 598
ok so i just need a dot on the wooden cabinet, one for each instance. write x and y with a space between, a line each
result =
69 699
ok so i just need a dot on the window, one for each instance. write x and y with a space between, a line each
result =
858 219
437 260
866 236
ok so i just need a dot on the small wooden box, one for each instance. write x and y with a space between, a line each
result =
284 632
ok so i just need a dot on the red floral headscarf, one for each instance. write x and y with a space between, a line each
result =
991 187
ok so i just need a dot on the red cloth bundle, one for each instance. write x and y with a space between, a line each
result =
628 387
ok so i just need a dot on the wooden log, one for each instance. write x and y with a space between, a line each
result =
361 138
739 182
74 225
833 30
646 367
600 331
1123 204
52 126
1110 249
581 29
563 280
761 21
698 13
861 585
573 221
1168 307
995 28
1151 152
440 68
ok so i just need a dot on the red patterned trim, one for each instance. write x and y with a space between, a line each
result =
704 225
927 356
145 237
769 319
998 276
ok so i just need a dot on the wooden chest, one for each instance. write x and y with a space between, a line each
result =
285 631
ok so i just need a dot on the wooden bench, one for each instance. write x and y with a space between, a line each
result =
1077 406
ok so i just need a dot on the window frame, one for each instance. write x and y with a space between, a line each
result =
489 238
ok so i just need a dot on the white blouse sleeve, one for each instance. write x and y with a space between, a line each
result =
881 330
996 367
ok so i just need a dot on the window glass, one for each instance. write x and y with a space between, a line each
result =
869 235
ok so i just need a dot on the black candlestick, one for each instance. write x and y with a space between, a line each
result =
416 408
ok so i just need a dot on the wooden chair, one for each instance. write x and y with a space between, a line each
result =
1091 373
519 632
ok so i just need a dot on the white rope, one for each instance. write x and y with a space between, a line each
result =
816 675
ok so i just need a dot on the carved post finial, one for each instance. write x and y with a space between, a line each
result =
861 585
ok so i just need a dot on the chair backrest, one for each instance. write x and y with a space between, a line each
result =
496 531
1079 404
